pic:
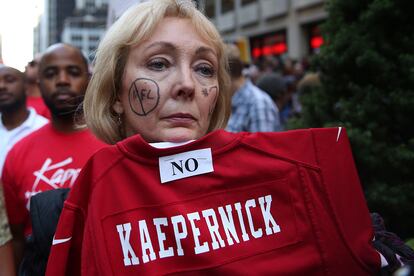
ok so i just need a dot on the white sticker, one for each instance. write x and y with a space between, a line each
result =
185 164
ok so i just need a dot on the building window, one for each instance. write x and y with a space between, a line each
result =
227 5
210 9
89 4
246 2
76 38
94 38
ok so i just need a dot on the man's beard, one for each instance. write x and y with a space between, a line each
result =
69 111
13 106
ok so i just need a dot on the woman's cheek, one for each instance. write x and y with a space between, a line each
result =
210 94
143 96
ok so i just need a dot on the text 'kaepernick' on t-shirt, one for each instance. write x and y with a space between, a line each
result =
286 203
202 226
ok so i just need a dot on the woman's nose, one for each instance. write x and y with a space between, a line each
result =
185 84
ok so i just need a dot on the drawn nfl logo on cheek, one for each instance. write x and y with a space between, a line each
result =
144 96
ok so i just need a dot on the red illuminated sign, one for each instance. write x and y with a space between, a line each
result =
315 38
268 45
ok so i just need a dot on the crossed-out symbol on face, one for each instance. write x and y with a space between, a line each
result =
144 95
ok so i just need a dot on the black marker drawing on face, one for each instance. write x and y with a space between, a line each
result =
204 91
213 89
144 96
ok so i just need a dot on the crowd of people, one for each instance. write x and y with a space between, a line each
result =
42 153
156 185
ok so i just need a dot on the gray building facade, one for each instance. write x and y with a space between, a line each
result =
269 27
81 23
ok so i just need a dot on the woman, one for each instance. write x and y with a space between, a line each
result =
159 202
134 69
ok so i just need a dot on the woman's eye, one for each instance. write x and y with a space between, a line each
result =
158 65
206 70
10 79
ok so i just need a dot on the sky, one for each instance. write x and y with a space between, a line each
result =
17 20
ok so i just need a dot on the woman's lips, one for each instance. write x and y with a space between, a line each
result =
180 118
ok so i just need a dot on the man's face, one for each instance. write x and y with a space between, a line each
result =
12 90
63 78
31 70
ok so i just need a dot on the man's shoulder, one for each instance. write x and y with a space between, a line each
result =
260 100
255 94
37 136
35 120
40 120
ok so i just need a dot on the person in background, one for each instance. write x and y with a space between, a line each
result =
309 82
34 97
17 121
6 249
252 109
51 157
275 86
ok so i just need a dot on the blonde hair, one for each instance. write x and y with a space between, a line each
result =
133 27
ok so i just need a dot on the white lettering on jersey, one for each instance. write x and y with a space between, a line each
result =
161 238
59 177
126 246
213 228
228 224
185 164
198 249
175 220
245 236
146 244
255 233
212 222
267 216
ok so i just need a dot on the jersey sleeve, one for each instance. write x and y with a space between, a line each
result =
15 206
66 252
64 258
344 192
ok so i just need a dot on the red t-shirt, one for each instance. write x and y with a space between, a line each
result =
39 105
44 160
287 203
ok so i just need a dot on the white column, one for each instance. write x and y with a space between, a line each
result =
294 38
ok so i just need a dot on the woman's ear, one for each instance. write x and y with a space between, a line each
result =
117 107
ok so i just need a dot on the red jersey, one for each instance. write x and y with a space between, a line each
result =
286 203
44 160
39 105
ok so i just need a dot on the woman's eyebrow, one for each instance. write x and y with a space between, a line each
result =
161 45
203 50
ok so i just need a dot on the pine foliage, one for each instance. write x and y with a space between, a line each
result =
367 75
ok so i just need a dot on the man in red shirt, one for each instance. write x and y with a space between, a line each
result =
52 156
16 119
34 97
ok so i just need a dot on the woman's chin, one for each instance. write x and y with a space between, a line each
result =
181 135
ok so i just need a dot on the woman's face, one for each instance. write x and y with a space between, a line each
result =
170 84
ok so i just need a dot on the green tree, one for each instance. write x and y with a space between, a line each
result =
367 76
